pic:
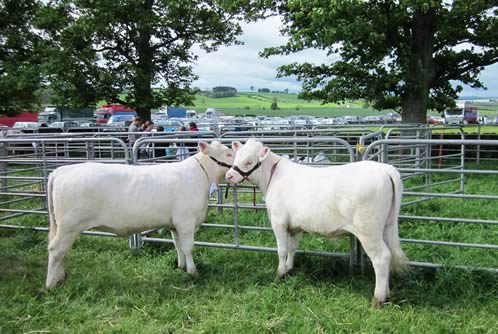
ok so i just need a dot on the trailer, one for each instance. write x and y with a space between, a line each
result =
53 114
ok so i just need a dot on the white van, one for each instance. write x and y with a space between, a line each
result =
210 113
454 116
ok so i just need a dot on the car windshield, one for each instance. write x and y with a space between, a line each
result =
454 112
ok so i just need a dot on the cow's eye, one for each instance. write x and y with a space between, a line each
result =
228 155
249 163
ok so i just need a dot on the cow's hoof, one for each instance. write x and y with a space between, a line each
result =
282 276
376 303
54 282
193 273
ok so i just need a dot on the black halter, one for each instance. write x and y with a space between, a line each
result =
221 163
245 175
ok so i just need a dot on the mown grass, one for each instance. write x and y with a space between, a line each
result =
111 289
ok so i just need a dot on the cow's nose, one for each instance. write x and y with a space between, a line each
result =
229 176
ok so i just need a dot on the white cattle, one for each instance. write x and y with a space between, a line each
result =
126 199
361 198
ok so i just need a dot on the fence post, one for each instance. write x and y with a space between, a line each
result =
135 241
3 166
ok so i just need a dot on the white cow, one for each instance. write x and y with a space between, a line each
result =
361 198
126 199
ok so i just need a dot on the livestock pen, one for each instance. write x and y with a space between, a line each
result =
449 201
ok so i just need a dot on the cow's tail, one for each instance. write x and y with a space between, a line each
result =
391 230
52 231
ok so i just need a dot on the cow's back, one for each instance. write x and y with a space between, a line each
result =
326 200
124 198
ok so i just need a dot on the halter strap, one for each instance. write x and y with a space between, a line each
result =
245 175
221 163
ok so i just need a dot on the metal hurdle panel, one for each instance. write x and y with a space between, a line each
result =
356 136
25 164
446 186
246 198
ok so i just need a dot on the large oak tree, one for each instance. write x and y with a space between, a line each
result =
98 49
396 54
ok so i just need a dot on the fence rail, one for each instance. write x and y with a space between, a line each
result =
425 165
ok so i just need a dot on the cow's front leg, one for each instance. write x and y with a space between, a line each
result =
293 243
178 246
282 236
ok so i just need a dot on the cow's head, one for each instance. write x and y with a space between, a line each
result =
220 155
248 160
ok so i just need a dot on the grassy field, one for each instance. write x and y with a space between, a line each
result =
258 104
113 290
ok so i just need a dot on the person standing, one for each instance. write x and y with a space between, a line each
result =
133 129
192 126
148 126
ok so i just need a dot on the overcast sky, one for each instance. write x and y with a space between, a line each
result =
240 66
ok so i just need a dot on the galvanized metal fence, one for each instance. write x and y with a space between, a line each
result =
26 161
441 174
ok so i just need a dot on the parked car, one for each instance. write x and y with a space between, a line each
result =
351 119
169 125
26 126
120 120
435 120
372 119
63 125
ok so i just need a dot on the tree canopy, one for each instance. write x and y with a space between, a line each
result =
94 50
19 59
100 48
395 54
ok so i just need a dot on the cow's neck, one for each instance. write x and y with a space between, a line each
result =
208 168
267 165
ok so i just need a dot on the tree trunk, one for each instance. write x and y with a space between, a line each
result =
420 70
144 74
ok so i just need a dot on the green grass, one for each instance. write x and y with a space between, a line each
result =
258 104
110 289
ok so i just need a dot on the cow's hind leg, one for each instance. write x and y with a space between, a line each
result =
379 254
293 243
57 249
178 246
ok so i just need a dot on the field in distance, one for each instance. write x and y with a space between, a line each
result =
258 104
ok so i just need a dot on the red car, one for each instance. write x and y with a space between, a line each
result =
435 120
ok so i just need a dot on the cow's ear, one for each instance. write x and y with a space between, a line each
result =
236 145
263 153
203 147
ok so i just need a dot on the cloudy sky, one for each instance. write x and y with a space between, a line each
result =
240 66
